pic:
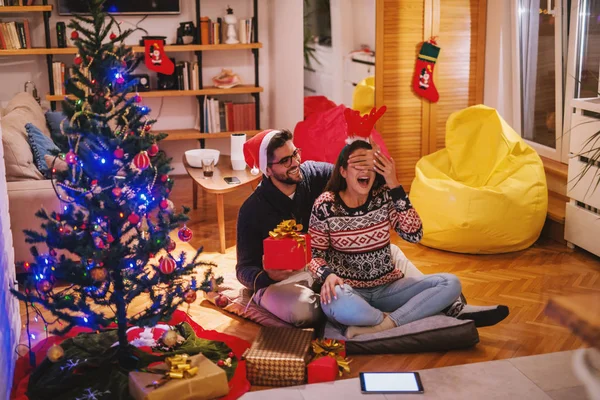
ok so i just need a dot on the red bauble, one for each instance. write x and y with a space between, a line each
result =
117 192
113 36
78 60
95 182
189 296
110 238
163 178
185 234
119 153
147 128
44 286
167 265
222 301
74 35
220 363
171 246
141 160
133 219
70 157
107 104
153 150
137 98
164 204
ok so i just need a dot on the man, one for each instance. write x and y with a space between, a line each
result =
288 191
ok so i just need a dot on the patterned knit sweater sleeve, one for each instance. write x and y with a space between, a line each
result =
403 217
319 233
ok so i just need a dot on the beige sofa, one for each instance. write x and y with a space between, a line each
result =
28 190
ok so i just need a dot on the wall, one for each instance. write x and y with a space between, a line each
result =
363 23
10 325
177 112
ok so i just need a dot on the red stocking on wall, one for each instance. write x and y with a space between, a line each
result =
423 81
156 59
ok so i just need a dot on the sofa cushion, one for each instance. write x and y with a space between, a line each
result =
54 120
436 333
18 157
41 145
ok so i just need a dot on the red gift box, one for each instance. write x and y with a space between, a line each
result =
324 369
286 253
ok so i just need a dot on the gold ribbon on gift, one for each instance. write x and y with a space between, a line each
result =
331 348
180 367
288 229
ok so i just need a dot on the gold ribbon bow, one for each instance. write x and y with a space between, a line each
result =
180 367
331 348
288 229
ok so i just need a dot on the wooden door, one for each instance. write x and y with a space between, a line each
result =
413 127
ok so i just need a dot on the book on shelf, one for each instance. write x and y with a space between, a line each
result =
212 32
9 3
15 35
58 75
222 116
245 31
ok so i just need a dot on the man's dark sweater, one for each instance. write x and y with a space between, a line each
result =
265 209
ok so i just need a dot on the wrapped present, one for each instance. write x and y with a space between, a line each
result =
181 377
278 357
286 247
329 360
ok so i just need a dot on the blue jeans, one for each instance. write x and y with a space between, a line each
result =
407 300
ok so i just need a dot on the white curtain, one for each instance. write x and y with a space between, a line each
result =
10 320
529 27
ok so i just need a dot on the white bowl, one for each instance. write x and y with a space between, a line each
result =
194 157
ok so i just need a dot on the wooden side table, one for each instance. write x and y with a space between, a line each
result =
219 187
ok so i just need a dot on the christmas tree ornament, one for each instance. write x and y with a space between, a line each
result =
189 296
147 128
171 246
44 286
78 60
423 79
109 237
231 355
133 219
55 353
141 160
74 35
221 363
164 204
137 98
117 192
99 243
112 36
70 157
99 274
119 153
185 234
167 265
222 301
156 58
153 150
164 178
169 338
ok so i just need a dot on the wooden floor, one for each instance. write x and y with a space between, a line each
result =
523 281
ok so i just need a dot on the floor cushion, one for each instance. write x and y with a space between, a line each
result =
436 333
485 192
18 158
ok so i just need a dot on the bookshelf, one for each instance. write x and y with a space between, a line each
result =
198 49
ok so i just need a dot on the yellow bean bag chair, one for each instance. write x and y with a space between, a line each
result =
363 97
485 192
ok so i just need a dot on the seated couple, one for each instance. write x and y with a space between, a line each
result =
356 277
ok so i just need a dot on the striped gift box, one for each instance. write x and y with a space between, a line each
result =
278 357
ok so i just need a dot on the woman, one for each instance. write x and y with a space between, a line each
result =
350 237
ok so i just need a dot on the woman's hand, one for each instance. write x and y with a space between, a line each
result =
362 160
386 167
328 288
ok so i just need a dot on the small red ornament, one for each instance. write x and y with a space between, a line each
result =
78 60
120 80
74 35
141 160
110 238
107 104
153 150
95 182
167 265
164 204
99 243
83 226
185 234
70 158
222 301
147 128
231 354
220 363
113 36
137 98
52 252
119 153
117 192
171 246
44 286
133 219
189 296
163 178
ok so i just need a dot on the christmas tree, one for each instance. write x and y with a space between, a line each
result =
113 182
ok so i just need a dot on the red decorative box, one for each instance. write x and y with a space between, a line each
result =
286 253
324 369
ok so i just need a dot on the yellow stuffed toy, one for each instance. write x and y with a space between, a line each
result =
363 97
485 192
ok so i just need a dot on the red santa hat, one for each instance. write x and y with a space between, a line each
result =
255 149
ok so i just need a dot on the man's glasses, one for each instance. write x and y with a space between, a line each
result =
287 161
